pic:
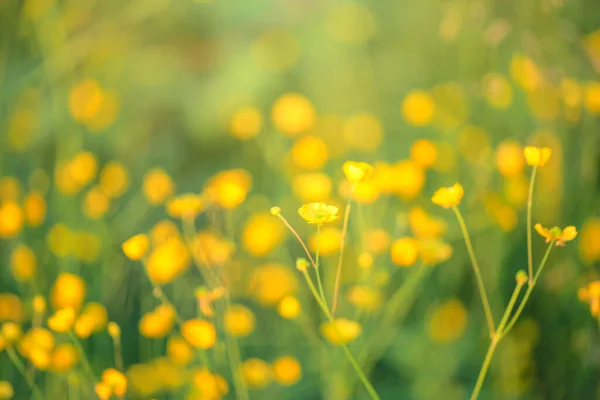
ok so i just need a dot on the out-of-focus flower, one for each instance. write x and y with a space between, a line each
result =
10 189
11 307
591 295
136 247
409 179
239 320
34 206
23 263
199 333
418 108
63 358
158 186
85 100
159 322
537 156
318 213
262 234
500 212
289 307
116 380
96 203
405 251
497 90
525 72
365 298
11 331
208 385
246 123
206 297
509 158
11 220
114 179
62 320
434 251
447 197
312 187
229 189
557 235
293 114
186 206
362 131
589 240
424 225
592 97
286 370
328 241
166 261
256 373
310 152
270 283
6 390
346 332
377 240
448 322
423 152
68 291
212 250
114 330
39 304
92 319
357 171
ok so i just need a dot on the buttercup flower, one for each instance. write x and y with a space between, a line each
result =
537 156
136 247
560 236
318 213
448 196
357 171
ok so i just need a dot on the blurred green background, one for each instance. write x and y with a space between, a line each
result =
199 87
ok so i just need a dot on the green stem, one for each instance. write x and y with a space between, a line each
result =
484 299
347 351
338 274
529 290
319 283
21 367
529 204
84 360
484 368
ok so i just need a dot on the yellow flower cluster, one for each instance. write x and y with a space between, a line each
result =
92 105
158 322
113 382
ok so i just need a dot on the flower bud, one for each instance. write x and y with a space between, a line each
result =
301 264
521 277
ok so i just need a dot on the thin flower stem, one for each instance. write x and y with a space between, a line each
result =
514 319
347 351
21 367
319 282
84 360
118 353
287 224
529 204
484 299
338 274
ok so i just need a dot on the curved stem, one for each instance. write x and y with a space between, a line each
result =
21 367
287 224
347 351
338 274
529 204
484 299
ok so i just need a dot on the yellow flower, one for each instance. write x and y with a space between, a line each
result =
310 152
537 156
239 320
10 331
357 171
448 196
114 330
158 186
418 108
206 297
289 307
208 386
293 114
256 373
199 333
11 220
136 247
93 319
23 263
157 323
555 234
68 291
328 243
229 189
168 260
313 186
448 322
186 206
318 213
286 370
179 351
346 331
246 123
424 153
62 320
270 283
6 390
408 179
63 358
34 206
116 380
262 234
365 298
114 179
405 251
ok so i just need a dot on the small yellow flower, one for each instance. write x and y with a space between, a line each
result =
114 330
448 196
62 320
318 213
275 211
201 334
344 331
555 234
186 205
357 171
537 156
136 247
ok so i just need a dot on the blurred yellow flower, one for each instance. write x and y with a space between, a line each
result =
68 291
86 246
209 386
448 322
39 304
23 263
365 260
286 370
423 152
136 247
525 72
256 373
434 251
85 100
34 206
424 225
501 213
82 168
347 331
92 319
106 115
239 320
497 90
357 171
377 240
311 187
11 331
187 205
63 358
158 186
557 235
60 240
199 333
158 322
262 234
589 240
206 297
10 189
270 283
310 152
62 320
509 158
544 101
179 351
116 380
229 189
168 260
292 114
592 97
405 251
365 192
329 241
96 203
114 179
114 330
11 307
409 179
447 197
6 390
212 250
537 156
418 108
289 307
318 213
365 298
362 131
11 220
